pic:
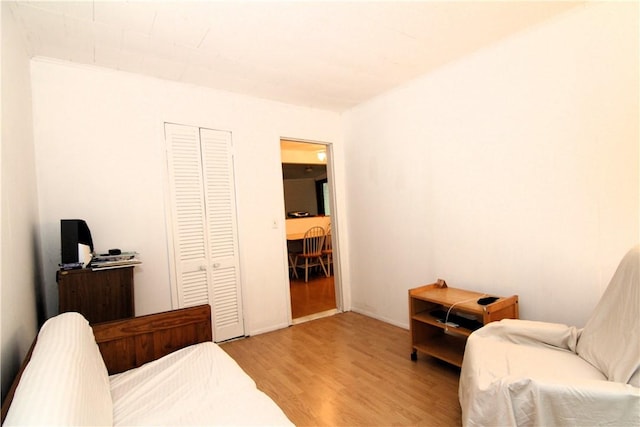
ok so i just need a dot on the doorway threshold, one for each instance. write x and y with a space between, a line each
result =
314 316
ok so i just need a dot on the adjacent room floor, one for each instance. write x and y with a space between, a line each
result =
349 369
315 296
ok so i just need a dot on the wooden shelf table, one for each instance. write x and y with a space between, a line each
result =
429 333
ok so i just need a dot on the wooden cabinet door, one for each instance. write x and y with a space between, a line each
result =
99 296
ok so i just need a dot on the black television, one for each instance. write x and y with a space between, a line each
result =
76 242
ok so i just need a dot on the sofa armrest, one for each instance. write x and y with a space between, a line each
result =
6 403
65 381
532 332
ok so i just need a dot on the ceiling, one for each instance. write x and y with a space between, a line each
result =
330 55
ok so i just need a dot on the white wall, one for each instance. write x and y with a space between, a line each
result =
19 282
511 171
100 157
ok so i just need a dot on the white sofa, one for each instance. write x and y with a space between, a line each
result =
527 373
66 381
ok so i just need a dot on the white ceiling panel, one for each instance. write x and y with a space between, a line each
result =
80 10
323 54
179 26
130 62
106 56
127 15
106 35
162 67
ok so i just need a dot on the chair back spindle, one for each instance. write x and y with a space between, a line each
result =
312 247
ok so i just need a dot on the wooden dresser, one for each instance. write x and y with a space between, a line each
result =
100 295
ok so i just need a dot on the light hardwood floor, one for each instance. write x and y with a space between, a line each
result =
349 370
314 296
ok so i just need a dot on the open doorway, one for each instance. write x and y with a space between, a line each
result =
308 194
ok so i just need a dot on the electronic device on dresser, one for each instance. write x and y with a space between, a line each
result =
76 242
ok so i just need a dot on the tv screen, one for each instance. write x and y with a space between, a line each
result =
77 245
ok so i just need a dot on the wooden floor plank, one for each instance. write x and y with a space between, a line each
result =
349 370
315 296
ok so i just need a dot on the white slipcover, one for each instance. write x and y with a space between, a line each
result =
200 385
66 382
519 372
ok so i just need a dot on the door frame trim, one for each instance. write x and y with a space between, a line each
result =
335 228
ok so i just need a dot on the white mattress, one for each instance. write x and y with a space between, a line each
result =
198 385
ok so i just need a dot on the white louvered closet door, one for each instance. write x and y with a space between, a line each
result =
205 247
